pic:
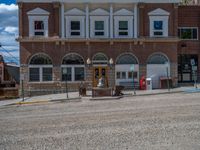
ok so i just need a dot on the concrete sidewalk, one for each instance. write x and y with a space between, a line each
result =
74 96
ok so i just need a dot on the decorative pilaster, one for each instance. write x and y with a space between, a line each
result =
111 21
87 21
135 21
62 21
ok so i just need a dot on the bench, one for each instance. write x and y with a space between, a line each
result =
129 84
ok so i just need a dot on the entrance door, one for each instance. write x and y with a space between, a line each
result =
98 73
155 71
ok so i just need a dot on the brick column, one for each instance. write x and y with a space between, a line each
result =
111 77
142 70
89 76
174 73
56 19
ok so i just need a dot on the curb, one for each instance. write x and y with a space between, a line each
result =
77 99
161 93
105 98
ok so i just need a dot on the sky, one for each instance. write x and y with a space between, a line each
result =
9 30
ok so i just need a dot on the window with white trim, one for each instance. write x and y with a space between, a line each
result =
99 26
40 68
158 28
38 22
73 68
75 26
159 23
39 28
188 33
123 26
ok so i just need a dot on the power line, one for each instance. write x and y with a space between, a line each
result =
12 56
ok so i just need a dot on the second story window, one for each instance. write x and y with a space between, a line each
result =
75 28
39 28
159 23
123 24
99 28
158 28
123 28
38 22
99 23
75 23
188 33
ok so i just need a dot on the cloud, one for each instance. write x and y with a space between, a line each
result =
9 29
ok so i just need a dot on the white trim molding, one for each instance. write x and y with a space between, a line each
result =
99 15
32 20
101 1
38 14
129 20
38 11
160 17
80 19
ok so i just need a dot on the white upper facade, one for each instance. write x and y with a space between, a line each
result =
102 1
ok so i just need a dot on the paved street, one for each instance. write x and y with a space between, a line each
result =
157 122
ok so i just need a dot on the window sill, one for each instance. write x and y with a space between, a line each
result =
42 82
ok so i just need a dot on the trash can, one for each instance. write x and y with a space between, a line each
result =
149 83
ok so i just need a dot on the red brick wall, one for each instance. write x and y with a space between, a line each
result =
189 16
57 52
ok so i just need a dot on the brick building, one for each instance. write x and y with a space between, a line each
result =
83 40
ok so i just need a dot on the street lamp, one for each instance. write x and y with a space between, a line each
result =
132 69
167 70
65 74
89 62
111 63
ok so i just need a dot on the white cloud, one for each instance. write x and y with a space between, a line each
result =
9 29
6 8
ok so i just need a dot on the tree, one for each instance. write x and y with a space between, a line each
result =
185 2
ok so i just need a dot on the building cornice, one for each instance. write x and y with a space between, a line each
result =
100 1
137 41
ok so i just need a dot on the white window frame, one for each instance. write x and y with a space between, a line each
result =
165 29
40 73
32 20
130 26
81 19
190 28
73 72
92 26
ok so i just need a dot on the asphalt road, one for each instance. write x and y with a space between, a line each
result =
157 122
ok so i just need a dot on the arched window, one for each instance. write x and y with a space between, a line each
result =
127 68
73 68
100 58
157 59
73 59
40 59
40 68
126 59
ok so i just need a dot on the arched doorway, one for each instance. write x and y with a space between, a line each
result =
158 65
100 68
123 72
